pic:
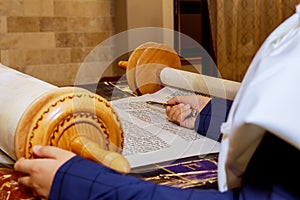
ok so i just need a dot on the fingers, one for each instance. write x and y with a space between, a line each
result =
196 101
37 191
174 101
45 151
173 112
191 100
23 165
25 180
51 152
39 172
179 112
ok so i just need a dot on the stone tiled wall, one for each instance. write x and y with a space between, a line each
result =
49 39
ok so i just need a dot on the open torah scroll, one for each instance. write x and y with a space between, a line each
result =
150 138
33 112
153 71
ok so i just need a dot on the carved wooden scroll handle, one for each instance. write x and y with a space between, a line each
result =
73 119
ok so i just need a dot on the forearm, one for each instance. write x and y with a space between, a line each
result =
83 179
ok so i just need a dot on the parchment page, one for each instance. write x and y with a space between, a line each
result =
150 137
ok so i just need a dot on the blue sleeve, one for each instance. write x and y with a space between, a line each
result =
83 179
211 117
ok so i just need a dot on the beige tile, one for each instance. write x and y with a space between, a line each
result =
59 75
38 7
33 57
46 24
3 25
63 55
56 56
79 54
93 39
84 8
95 8
4 7
99 8
4 59
13 58
89 24
78 24
11 41
95 24
69 8
38 71
48 56
16 8
60 24
99 24
91 72
61 39
69 39
53 24
39 40
23 24
100 53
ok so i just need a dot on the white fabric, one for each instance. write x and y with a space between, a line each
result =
268 99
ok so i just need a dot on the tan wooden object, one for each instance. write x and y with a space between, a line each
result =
152 66
68 117
144 66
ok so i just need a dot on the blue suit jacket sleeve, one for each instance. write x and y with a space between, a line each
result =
211 117
83 179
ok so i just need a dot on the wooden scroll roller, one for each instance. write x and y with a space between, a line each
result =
33 112
152 66
145 64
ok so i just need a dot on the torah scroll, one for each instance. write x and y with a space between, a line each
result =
153 65
33 112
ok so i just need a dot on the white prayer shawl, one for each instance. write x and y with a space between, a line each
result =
268 100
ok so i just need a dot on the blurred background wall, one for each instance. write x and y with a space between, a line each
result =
49 39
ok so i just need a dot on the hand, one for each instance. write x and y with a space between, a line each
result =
40 172
181 112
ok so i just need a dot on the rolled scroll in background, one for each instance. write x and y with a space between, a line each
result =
33 112
152 66
200 83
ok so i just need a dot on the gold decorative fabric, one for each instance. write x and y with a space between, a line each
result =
239 27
